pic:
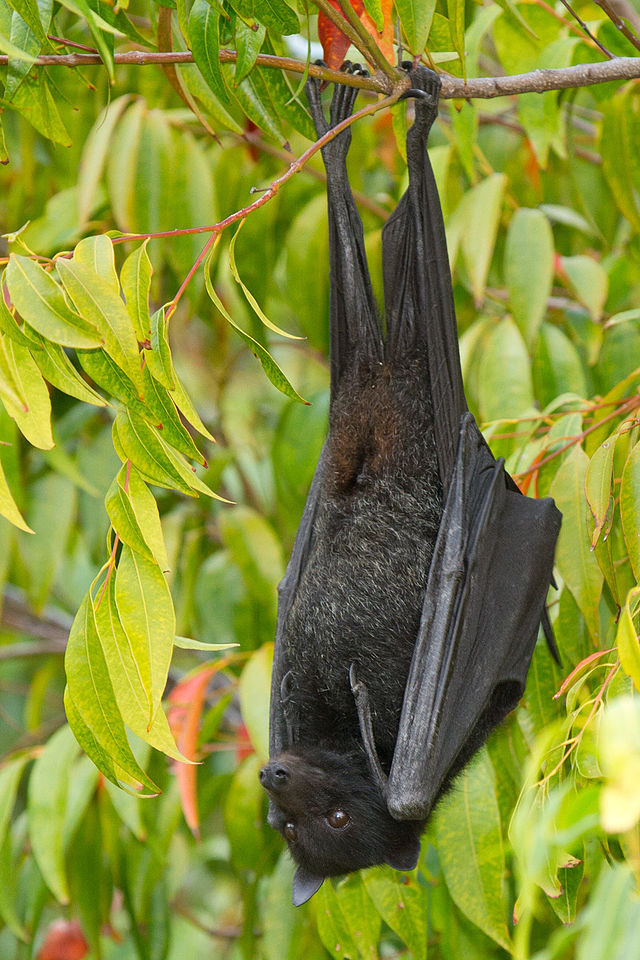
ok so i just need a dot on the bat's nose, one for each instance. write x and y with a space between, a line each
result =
273 775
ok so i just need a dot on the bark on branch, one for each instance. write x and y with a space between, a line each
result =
481 88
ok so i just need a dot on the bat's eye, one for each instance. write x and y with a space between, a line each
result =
290 832
338 819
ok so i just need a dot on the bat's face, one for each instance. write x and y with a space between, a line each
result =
333 817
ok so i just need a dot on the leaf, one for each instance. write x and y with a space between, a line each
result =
253 690
125 675
135 278
56 367
154 458
416 21
10 776
598 483
46 808
254 304
8 323
40 301
480 209
33 413
9 509
249 40
204 41
401 902
91 706
469 840
97 301
134 514
270 367
147 616
94 154
332 923
28 10
505 387
588 281
576 562
51 513
455 11
243 809
97 253
630 509
159 356
529 269
627 640
557 367
620 148
276 15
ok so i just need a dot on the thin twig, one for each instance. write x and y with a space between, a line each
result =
595 40
619 23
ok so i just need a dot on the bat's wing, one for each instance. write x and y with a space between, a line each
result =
493 559
485 596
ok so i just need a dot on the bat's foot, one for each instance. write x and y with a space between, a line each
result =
425 88
341 108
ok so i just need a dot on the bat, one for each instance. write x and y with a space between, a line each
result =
411 604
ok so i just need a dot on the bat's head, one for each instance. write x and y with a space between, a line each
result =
333 817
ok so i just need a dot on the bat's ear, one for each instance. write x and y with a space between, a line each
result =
404 857
305 884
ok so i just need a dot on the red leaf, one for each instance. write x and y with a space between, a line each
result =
335 44
186 702
64 941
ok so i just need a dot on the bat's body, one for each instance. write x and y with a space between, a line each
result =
412 600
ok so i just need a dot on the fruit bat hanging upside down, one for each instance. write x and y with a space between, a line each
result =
411 604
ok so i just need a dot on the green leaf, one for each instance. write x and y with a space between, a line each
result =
402 904
134 514
257 552
627 639
469 840
249 40
94 154
557 367
10 776
416 22
243 809
33 413
455 12
135 277
589 282
276 15
156 461
123 661
97 301
253 690
505 389
40 301
46 806
252 300
56 367
480 209
529 269
159 356
90 699
204 41
122 163
8 507
270 367
630 507
620 149
332 923
51 513
576 562
250 94
8 323
148 619
598 483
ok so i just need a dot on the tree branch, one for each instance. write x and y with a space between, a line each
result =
481 88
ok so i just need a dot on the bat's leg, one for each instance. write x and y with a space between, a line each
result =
361 696
354 328
417 279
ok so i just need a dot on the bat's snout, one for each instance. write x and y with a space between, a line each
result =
274 776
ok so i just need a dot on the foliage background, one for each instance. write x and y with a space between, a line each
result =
541 201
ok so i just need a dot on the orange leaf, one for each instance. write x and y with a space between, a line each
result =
335 44
186 701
